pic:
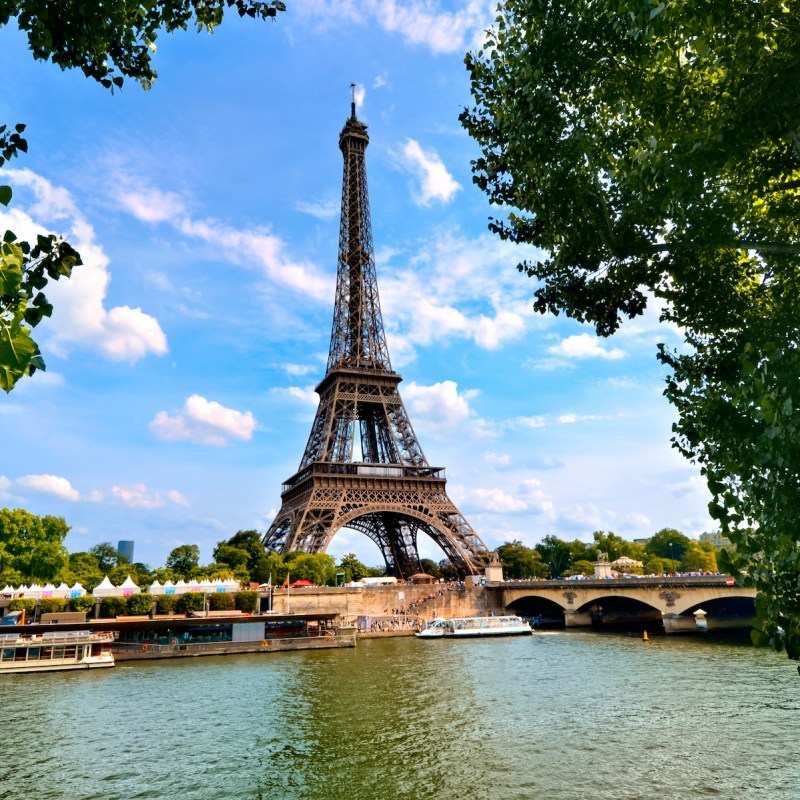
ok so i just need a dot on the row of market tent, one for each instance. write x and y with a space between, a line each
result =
129 587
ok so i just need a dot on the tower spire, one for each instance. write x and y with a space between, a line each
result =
363 467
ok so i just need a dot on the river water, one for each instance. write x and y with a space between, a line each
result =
552 716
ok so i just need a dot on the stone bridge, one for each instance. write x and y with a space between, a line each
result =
641 602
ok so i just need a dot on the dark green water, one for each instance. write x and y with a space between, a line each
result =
553 716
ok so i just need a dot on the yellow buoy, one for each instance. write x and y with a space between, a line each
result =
645 637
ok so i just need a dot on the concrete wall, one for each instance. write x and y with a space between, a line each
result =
423 601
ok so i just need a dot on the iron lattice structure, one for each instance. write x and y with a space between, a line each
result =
363 467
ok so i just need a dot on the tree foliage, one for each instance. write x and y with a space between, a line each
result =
184 561
652 149
31 547
245 555
25 270
353 569
108 42
520 561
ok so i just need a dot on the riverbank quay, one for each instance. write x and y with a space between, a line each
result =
454 599
205 634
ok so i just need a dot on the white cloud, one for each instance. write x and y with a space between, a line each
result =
436 183
454 287
531 422
360 94
203 422
321 209
585 345
80 316
440 404
532 490
176 497
246 247
497 459
421 23
50 484
496 500
306 395
300 369
153 205
137 495
638 520
5 486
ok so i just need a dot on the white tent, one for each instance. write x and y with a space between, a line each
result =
62 590
77 590
181 587
106 589
169 587
129 587
155 588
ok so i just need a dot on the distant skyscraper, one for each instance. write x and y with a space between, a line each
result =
125 549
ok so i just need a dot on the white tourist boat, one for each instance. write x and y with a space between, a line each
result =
55 651
470 627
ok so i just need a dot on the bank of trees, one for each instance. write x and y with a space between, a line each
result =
652 150
668 550
32 551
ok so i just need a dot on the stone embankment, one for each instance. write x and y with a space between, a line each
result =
395 609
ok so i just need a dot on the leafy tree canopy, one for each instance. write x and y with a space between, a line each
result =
653 150
108 42
319 568
615 546
184 561
107 556
354 570
667 543
31 547
520 561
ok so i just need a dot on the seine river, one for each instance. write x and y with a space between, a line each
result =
551 716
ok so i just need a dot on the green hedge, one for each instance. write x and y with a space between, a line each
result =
52 605
85 603
221 601
139 604
113 606
191 601
166 603
246 601
26 604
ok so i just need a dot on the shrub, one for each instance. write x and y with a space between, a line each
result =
52 605
166 603
140 604
246 601
85 603
26 604
113 606
191 601
221 601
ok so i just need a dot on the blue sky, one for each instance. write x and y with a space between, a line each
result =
182 358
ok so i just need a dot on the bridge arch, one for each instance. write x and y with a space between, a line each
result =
620 612
549 612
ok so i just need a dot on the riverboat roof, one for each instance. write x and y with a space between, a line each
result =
159 623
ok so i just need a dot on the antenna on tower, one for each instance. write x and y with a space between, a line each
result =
353 100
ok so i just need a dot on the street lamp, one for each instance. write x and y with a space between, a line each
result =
672 556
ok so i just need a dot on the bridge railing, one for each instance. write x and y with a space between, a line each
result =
638 580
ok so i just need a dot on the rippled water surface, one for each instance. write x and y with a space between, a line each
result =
552 716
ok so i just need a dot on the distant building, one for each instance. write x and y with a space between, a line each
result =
125 549
716 538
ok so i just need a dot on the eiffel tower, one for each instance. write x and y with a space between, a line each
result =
363 467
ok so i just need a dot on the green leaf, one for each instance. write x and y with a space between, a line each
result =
5 194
